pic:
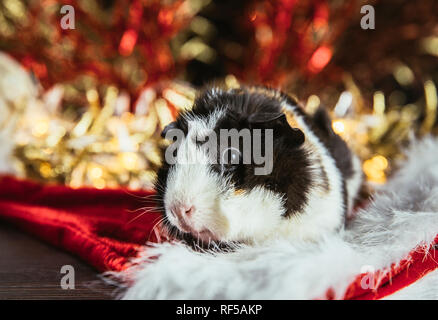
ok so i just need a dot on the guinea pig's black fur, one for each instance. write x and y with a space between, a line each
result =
292 173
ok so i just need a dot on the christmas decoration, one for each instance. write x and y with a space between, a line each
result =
82 126
119 43
127 83
106 147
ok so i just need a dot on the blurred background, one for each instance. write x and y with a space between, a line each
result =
85 106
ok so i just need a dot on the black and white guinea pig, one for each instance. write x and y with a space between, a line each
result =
314 181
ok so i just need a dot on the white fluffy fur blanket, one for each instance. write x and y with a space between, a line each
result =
402 216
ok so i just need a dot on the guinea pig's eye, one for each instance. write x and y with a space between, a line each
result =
230 156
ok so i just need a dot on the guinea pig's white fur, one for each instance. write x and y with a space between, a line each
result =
229 216
324 210
254 215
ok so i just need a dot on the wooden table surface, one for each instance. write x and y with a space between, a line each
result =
30 269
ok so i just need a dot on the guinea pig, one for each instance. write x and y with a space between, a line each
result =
307 189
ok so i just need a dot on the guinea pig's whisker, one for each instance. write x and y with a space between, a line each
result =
160 187
145 210
134 211
149 196
137 196
173 232
135 218
159 220
153 197
152 208
166 223
163 219
155 225
141 214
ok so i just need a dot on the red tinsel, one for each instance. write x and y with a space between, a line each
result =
292 38
101 43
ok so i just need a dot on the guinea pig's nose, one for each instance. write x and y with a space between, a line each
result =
188 210
183 211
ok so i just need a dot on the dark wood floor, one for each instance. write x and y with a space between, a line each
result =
30 269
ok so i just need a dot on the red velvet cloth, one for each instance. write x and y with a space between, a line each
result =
106 229
418 263
96 225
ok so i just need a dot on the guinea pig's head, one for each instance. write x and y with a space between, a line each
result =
235 168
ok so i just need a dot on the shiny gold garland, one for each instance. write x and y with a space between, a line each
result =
107 146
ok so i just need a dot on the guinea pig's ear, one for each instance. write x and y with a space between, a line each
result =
294 137
264 118
170 126
323 121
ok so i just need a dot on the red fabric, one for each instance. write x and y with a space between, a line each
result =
96 225
418 263
101 227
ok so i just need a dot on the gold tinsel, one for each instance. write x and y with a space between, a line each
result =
105 146
108 146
